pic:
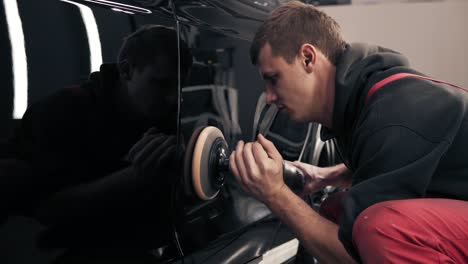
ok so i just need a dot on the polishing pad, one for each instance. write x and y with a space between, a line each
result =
188 185
208 155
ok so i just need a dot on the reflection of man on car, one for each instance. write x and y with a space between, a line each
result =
94 161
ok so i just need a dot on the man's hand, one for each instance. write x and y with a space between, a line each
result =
154 151
314 178
258 168
317 178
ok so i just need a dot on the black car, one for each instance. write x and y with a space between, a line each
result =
50 44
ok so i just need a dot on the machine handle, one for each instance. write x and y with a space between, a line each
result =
293 178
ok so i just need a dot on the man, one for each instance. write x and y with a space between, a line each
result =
400 144
99 155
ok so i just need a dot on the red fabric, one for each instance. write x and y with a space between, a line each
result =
397 76
408 231
413 231
331 208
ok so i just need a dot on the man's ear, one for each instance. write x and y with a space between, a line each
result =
125 70
308 56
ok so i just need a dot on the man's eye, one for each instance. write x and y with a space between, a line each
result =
272 81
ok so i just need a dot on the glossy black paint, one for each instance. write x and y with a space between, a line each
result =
237 19
58 54
222 91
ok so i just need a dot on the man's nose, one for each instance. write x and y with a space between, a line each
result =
270 96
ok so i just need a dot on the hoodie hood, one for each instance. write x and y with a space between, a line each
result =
358 67
105 82
106 87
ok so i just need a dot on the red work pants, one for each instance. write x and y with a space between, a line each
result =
429 230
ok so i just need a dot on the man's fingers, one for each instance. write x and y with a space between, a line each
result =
168 148
158 147
167 155
152 130
269 147
137 147
301 166
259 152
148 148
305 168
233 166
249 160
240 160
260 155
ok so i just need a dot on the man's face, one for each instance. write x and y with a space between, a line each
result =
288 86
153 92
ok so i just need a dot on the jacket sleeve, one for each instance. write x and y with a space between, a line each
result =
117 209
394 163
53 137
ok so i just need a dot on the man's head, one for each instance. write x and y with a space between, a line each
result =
148 66
296 49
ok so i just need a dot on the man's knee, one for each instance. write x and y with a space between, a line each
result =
377 232
394 231
374 224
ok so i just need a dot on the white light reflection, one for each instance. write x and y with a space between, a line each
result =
92 32
18 58
121 6
122 11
